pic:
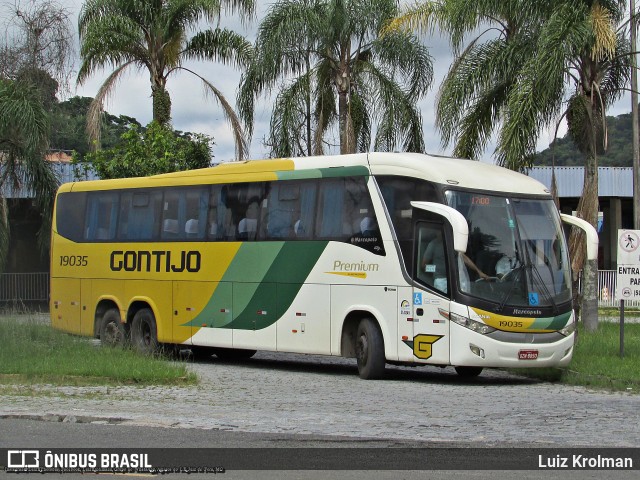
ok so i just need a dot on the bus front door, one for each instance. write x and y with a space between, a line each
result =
430 294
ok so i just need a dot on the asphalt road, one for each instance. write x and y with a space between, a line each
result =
289 401
38 434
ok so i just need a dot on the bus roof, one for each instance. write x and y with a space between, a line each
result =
438 169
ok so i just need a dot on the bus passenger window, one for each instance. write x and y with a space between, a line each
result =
139 215
70 215
101 216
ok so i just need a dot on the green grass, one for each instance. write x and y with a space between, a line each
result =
596 360
32 352
629 312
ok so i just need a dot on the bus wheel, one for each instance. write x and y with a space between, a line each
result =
144 335
468 372
233 353
369 350
112 332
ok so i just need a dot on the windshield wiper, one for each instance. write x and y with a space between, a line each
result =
545 290
516 278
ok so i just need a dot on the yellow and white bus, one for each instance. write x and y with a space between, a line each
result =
386 257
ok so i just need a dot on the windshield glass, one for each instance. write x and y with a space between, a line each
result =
516 254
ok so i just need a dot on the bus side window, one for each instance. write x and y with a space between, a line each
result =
214 223
101 216
346 214
139 215
195 212
70 216
331 212
245 201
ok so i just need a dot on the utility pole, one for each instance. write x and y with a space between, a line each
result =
634 117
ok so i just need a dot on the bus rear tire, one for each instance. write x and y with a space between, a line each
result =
112 331
369 350
468 372
144 333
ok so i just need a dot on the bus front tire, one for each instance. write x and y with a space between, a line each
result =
112 331
144 333
369 350
468 372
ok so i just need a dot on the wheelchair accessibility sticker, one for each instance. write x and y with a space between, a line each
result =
534 301
417 298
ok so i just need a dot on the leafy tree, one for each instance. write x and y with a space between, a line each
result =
152 35
557 58
24 132
333 68
69 121
154 150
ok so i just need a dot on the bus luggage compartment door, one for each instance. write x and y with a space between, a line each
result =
255 315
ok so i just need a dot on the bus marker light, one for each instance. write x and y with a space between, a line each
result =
204 324
294 331
405 338
262 312
301 314
476 350
224 310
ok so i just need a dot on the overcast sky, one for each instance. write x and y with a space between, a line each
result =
191 111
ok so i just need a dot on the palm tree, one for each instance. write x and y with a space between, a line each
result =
554 59
152 35
24 133
333 69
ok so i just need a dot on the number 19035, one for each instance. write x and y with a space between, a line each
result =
73 261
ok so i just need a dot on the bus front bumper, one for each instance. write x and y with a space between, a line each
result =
469 348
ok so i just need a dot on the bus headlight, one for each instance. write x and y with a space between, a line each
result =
477 327
569 328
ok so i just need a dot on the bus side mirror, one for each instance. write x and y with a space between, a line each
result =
590 233
453 217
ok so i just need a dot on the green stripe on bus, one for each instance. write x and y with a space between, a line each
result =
333 172
551 323
260 284
280 286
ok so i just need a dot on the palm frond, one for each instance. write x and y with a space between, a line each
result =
241 144
94 114
221 45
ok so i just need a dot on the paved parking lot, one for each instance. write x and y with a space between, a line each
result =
303 394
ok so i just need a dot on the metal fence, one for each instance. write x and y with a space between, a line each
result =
607 290
24 287
34 287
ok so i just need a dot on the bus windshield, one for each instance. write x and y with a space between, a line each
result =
516 254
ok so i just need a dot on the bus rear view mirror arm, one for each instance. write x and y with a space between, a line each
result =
590 233
454 218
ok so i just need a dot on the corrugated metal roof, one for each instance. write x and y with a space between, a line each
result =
65 173
612 181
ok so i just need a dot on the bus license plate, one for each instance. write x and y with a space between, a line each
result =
528 355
